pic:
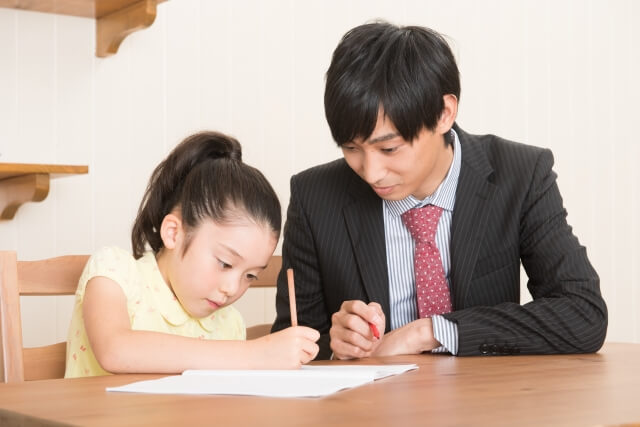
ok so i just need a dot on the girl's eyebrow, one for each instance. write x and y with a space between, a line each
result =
383 138
233 251
236 254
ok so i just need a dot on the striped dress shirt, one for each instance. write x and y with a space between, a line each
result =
400 249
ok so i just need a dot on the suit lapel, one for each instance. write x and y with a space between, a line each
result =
365 225
470 215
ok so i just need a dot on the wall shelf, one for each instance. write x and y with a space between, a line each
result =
22 182
115 19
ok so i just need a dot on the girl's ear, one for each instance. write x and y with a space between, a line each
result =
171 231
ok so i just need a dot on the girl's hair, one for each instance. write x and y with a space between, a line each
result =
204 177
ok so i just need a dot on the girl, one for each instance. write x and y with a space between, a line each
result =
212 224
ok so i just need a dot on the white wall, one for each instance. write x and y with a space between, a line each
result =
560 74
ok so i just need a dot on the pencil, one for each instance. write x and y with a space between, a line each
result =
292 298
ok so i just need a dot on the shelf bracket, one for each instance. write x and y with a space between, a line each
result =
112 28
21 189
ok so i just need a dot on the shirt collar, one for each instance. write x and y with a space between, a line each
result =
165 301
445 194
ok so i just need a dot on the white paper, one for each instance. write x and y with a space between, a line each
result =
309 381
380 371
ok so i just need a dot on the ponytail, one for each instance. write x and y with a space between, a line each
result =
204 176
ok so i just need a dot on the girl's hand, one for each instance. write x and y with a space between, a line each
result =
287 349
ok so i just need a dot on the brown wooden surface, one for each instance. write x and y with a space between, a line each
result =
43 363
52 276
10 328
18 190
115 19
85 8
10 170
257 331
594 389
111 29
21 183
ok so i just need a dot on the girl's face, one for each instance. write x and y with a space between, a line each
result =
219 264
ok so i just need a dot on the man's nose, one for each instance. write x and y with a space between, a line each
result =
372 169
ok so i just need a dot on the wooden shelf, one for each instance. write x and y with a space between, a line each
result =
22 182
115 19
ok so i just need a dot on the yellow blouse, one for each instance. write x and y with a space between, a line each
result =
151 306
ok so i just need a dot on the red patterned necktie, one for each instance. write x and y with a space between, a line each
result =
431 284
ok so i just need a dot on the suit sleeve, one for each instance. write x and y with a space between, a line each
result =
299 253
567 314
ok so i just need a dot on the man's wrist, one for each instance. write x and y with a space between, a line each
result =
425 339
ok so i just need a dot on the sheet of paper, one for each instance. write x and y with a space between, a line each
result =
380 371
310 381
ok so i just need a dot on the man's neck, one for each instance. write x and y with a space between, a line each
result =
440 171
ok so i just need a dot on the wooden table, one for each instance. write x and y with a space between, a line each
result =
25 182
593 389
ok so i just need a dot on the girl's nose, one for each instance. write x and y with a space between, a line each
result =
229 286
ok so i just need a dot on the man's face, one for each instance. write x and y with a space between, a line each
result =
396 168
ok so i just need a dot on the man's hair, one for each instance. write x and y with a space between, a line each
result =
404 70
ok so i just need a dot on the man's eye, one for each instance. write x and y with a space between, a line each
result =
389 150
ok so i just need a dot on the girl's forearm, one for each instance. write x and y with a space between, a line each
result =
133 351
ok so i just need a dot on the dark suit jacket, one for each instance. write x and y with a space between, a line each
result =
508 211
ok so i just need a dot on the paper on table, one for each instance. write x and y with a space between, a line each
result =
310 381
380 371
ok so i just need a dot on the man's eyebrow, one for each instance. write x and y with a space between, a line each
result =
383 138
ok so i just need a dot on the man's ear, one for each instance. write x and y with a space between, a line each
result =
448 115
171 231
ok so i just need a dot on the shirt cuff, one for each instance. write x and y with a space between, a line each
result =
446 333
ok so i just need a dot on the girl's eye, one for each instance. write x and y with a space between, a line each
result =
252 277
224 264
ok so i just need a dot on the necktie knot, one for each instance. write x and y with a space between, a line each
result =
422 223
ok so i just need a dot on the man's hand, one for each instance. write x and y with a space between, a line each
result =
351 335
412 338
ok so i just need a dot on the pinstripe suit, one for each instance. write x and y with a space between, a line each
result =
508 210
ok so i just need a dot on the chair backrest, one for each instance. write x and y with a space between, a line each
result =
58 276
267 279
52 276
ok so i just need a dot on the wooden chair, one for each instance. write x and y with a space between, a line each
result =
53 276
268 278
57 276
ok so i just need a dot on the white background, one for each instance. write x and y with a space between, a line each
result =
560 74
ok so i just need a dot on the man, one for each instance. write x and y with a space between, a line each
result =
421 229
